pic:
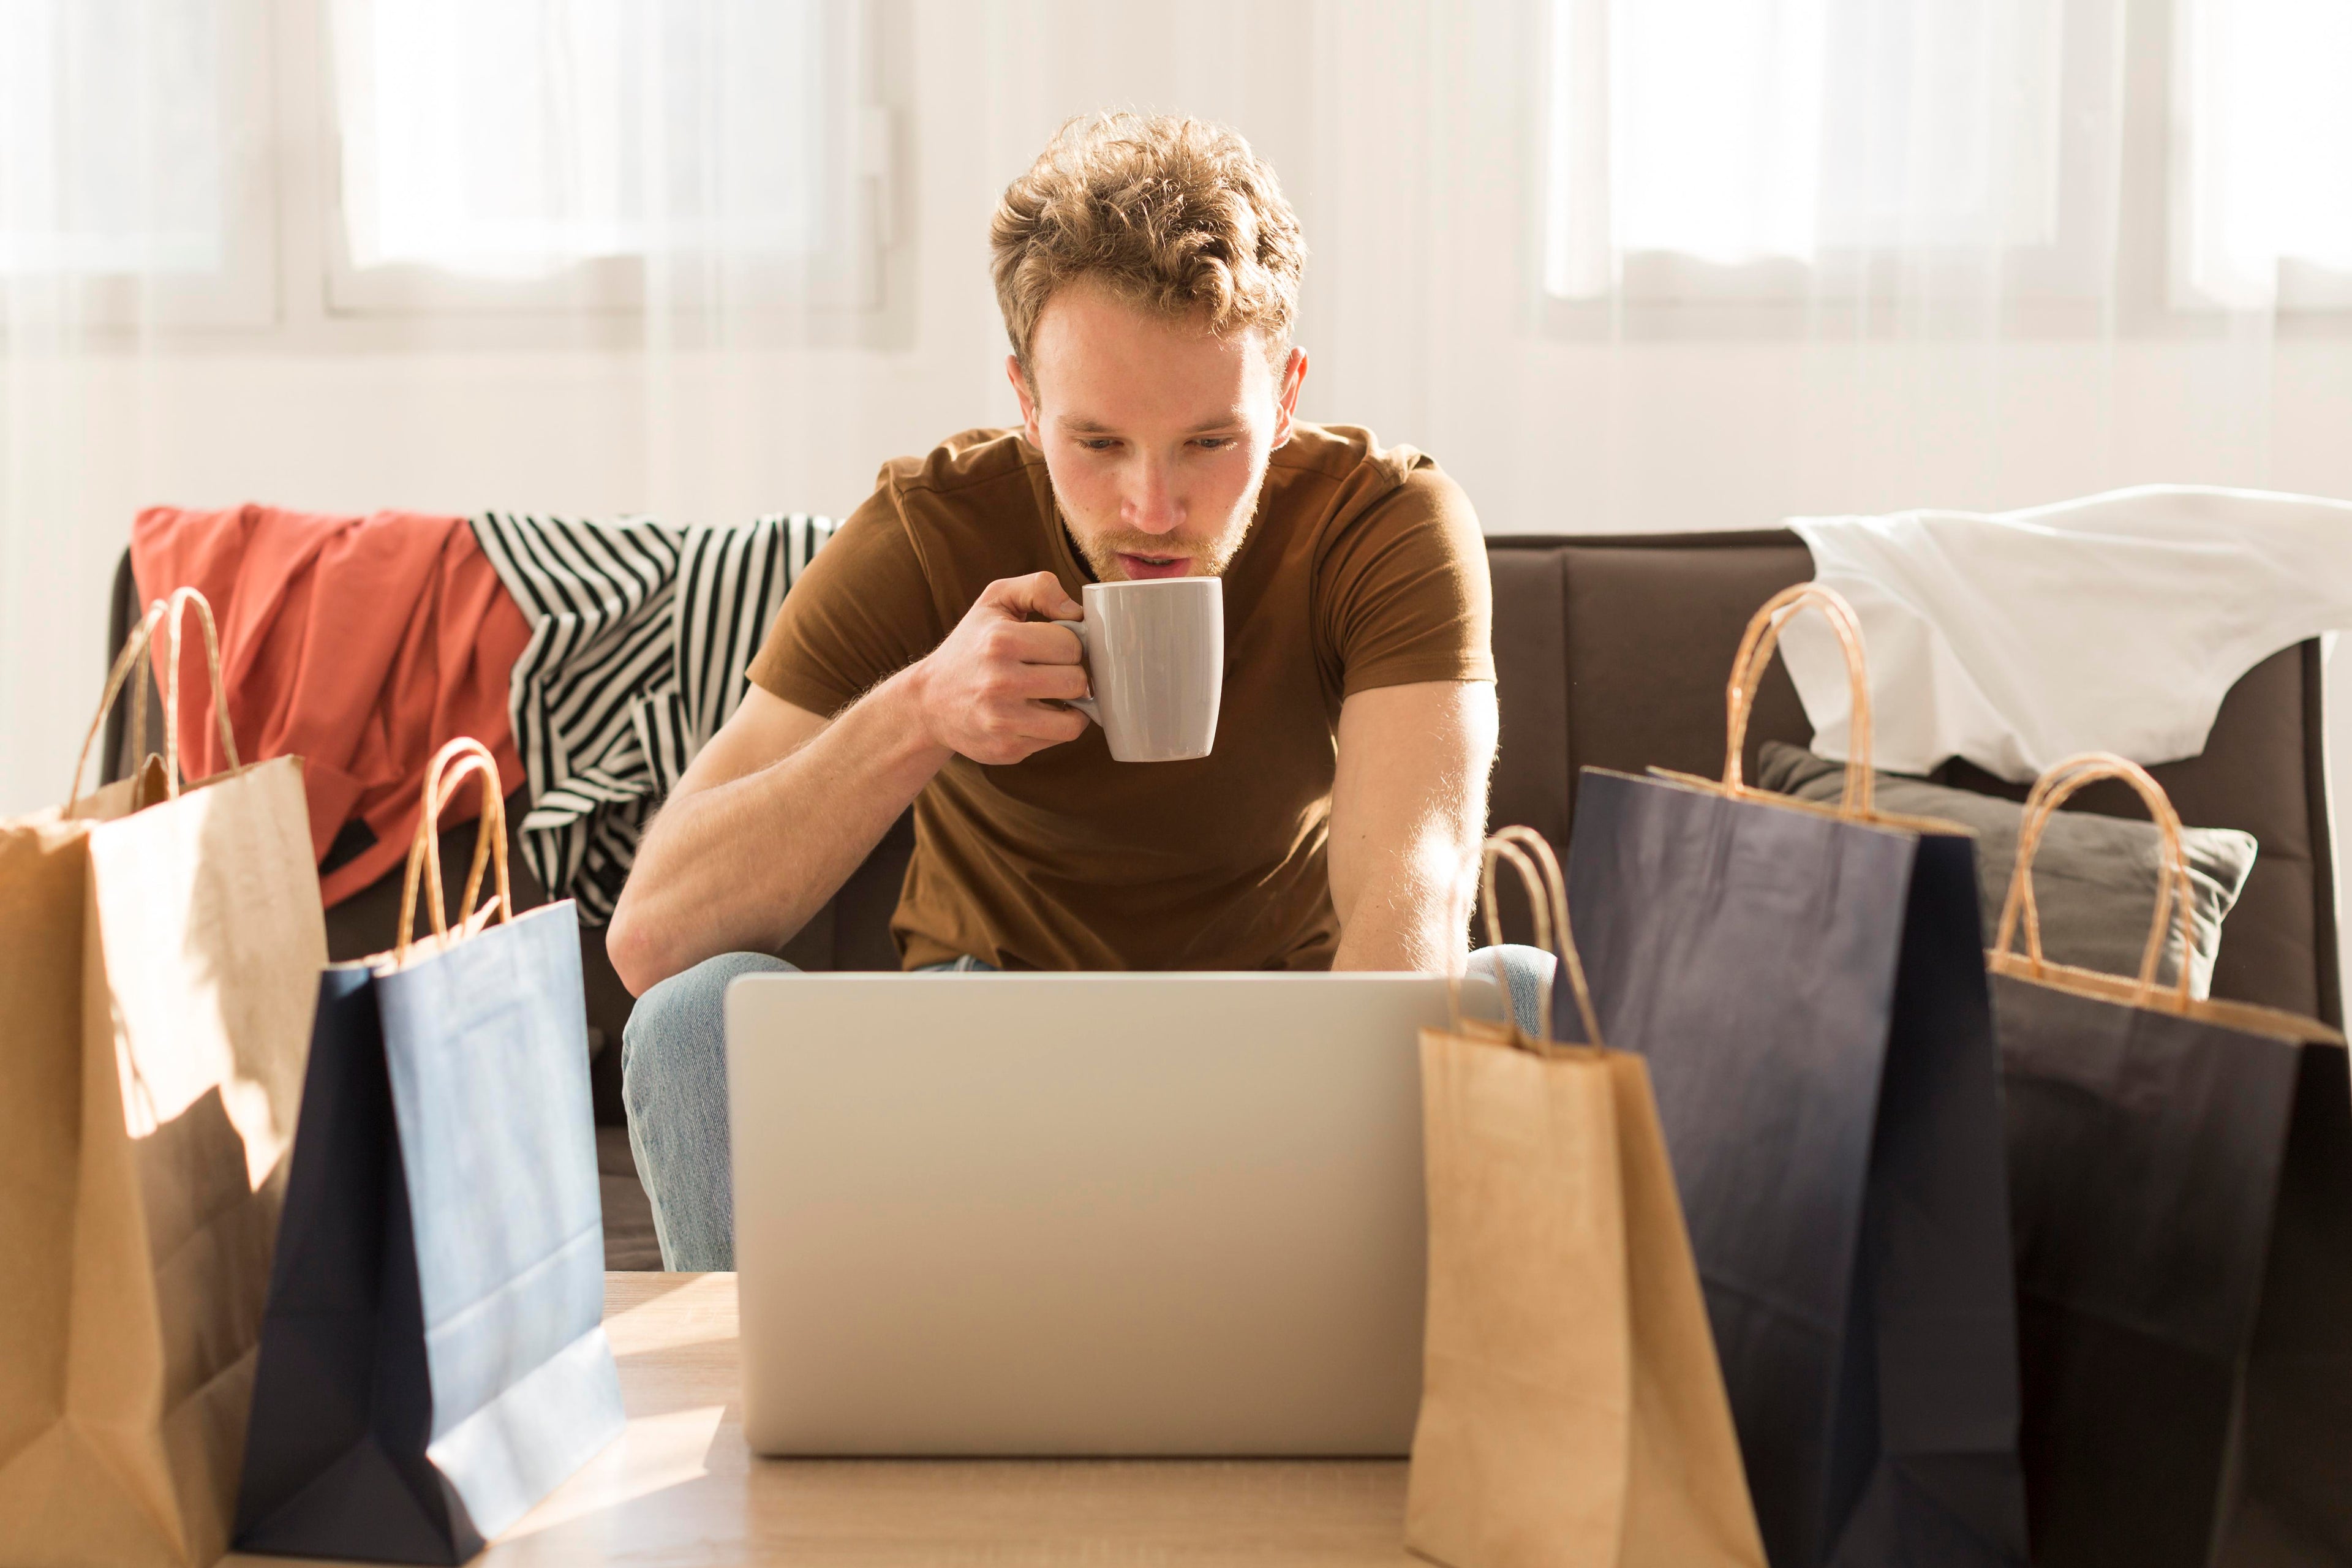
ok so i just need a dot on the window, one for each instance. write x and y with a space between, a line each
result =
133 155
1703 148
2263 160
506 152
1812 150
161 160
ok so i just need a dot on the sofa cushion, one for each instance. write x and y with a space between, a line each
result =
2094 878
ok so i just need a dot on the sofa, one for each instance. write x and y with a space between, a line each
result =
1612 651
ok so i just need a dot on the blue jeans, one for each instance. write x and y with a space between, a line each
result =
673 1084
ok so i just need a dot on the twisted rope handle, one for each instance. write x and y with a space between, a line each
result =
1524 849
181 600
1755 655
2175 908
134 648
441 781
141 639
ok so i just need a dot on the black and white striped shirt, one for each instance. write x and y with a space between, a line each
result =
640 633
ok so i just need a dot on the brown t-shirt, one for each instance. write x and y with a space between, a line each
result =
1362 568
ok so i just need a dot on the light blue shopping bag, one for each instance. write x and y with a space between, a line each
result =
433 1357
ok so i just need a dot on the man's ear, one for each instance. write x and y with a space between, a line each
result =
1028 404
1285 402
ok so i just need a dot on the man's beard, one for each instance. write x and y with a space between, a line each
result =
1209 559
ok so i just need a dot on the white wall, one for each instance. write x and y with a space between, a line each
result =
1395 127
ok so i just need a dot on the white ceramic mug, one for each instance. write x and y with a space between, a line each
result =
1155 656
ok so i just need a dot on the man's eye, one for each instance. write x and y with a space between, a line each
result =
1214 443
1098 443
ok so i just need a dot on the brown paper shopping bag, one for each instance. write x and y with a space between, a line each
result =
159 949
1571 1410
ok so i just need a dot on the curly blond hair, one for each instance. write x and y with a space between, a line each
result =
1175 215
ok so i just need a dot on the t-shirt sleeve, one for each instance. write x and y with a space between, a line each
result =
861 611
1404 592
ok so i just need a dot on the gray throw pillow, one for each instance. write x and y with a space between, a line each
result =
2093 878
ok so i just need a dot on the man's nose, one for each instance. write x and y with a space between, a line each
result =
1151 504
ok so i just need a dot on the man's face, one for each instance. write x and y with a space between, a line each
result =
1155 433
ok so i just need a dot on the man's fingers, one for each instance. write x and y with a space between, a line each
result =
1054 725
1034 642
1009 673
1061 682
1038 594
1025 683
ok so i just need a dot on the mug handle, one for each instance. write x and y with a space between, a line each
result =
1084 705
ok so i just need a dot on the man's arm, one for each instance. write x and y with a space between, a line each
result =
1408 806
781 806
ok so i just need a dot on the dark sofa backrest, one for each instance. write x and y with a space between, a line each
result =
1612 652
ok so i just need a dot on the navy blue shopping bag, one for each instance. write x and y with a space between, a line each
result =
2180 1193
1807 987
433 1355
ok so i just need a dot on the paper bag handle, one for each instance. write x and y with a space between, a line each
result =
469 756
1755 655
141 637
133 647
2175 906
181 600
1547 889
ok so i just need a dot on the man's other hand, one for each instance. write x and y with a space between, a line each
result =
990 692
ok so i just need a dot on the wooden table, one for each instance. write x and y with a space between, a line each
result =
679 1488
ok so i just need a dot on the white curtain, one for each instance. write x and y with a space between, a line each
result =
242 240
116 140
1618 264
2264 161
128 152
1896 252
1902 150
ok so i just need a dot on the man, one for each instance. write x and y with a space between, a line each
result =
1148 270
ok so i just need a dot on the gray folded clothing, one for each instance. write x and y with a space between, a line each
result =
2094 877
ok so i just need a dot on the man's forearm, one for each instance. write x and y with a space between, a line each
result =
1409 915
1385 943
742 866
1407 803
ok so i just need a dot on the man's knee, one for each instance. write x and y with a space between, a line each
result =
1526 975
678 1027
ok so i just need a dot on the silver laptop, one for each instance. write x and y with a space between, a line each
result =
1080 1213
